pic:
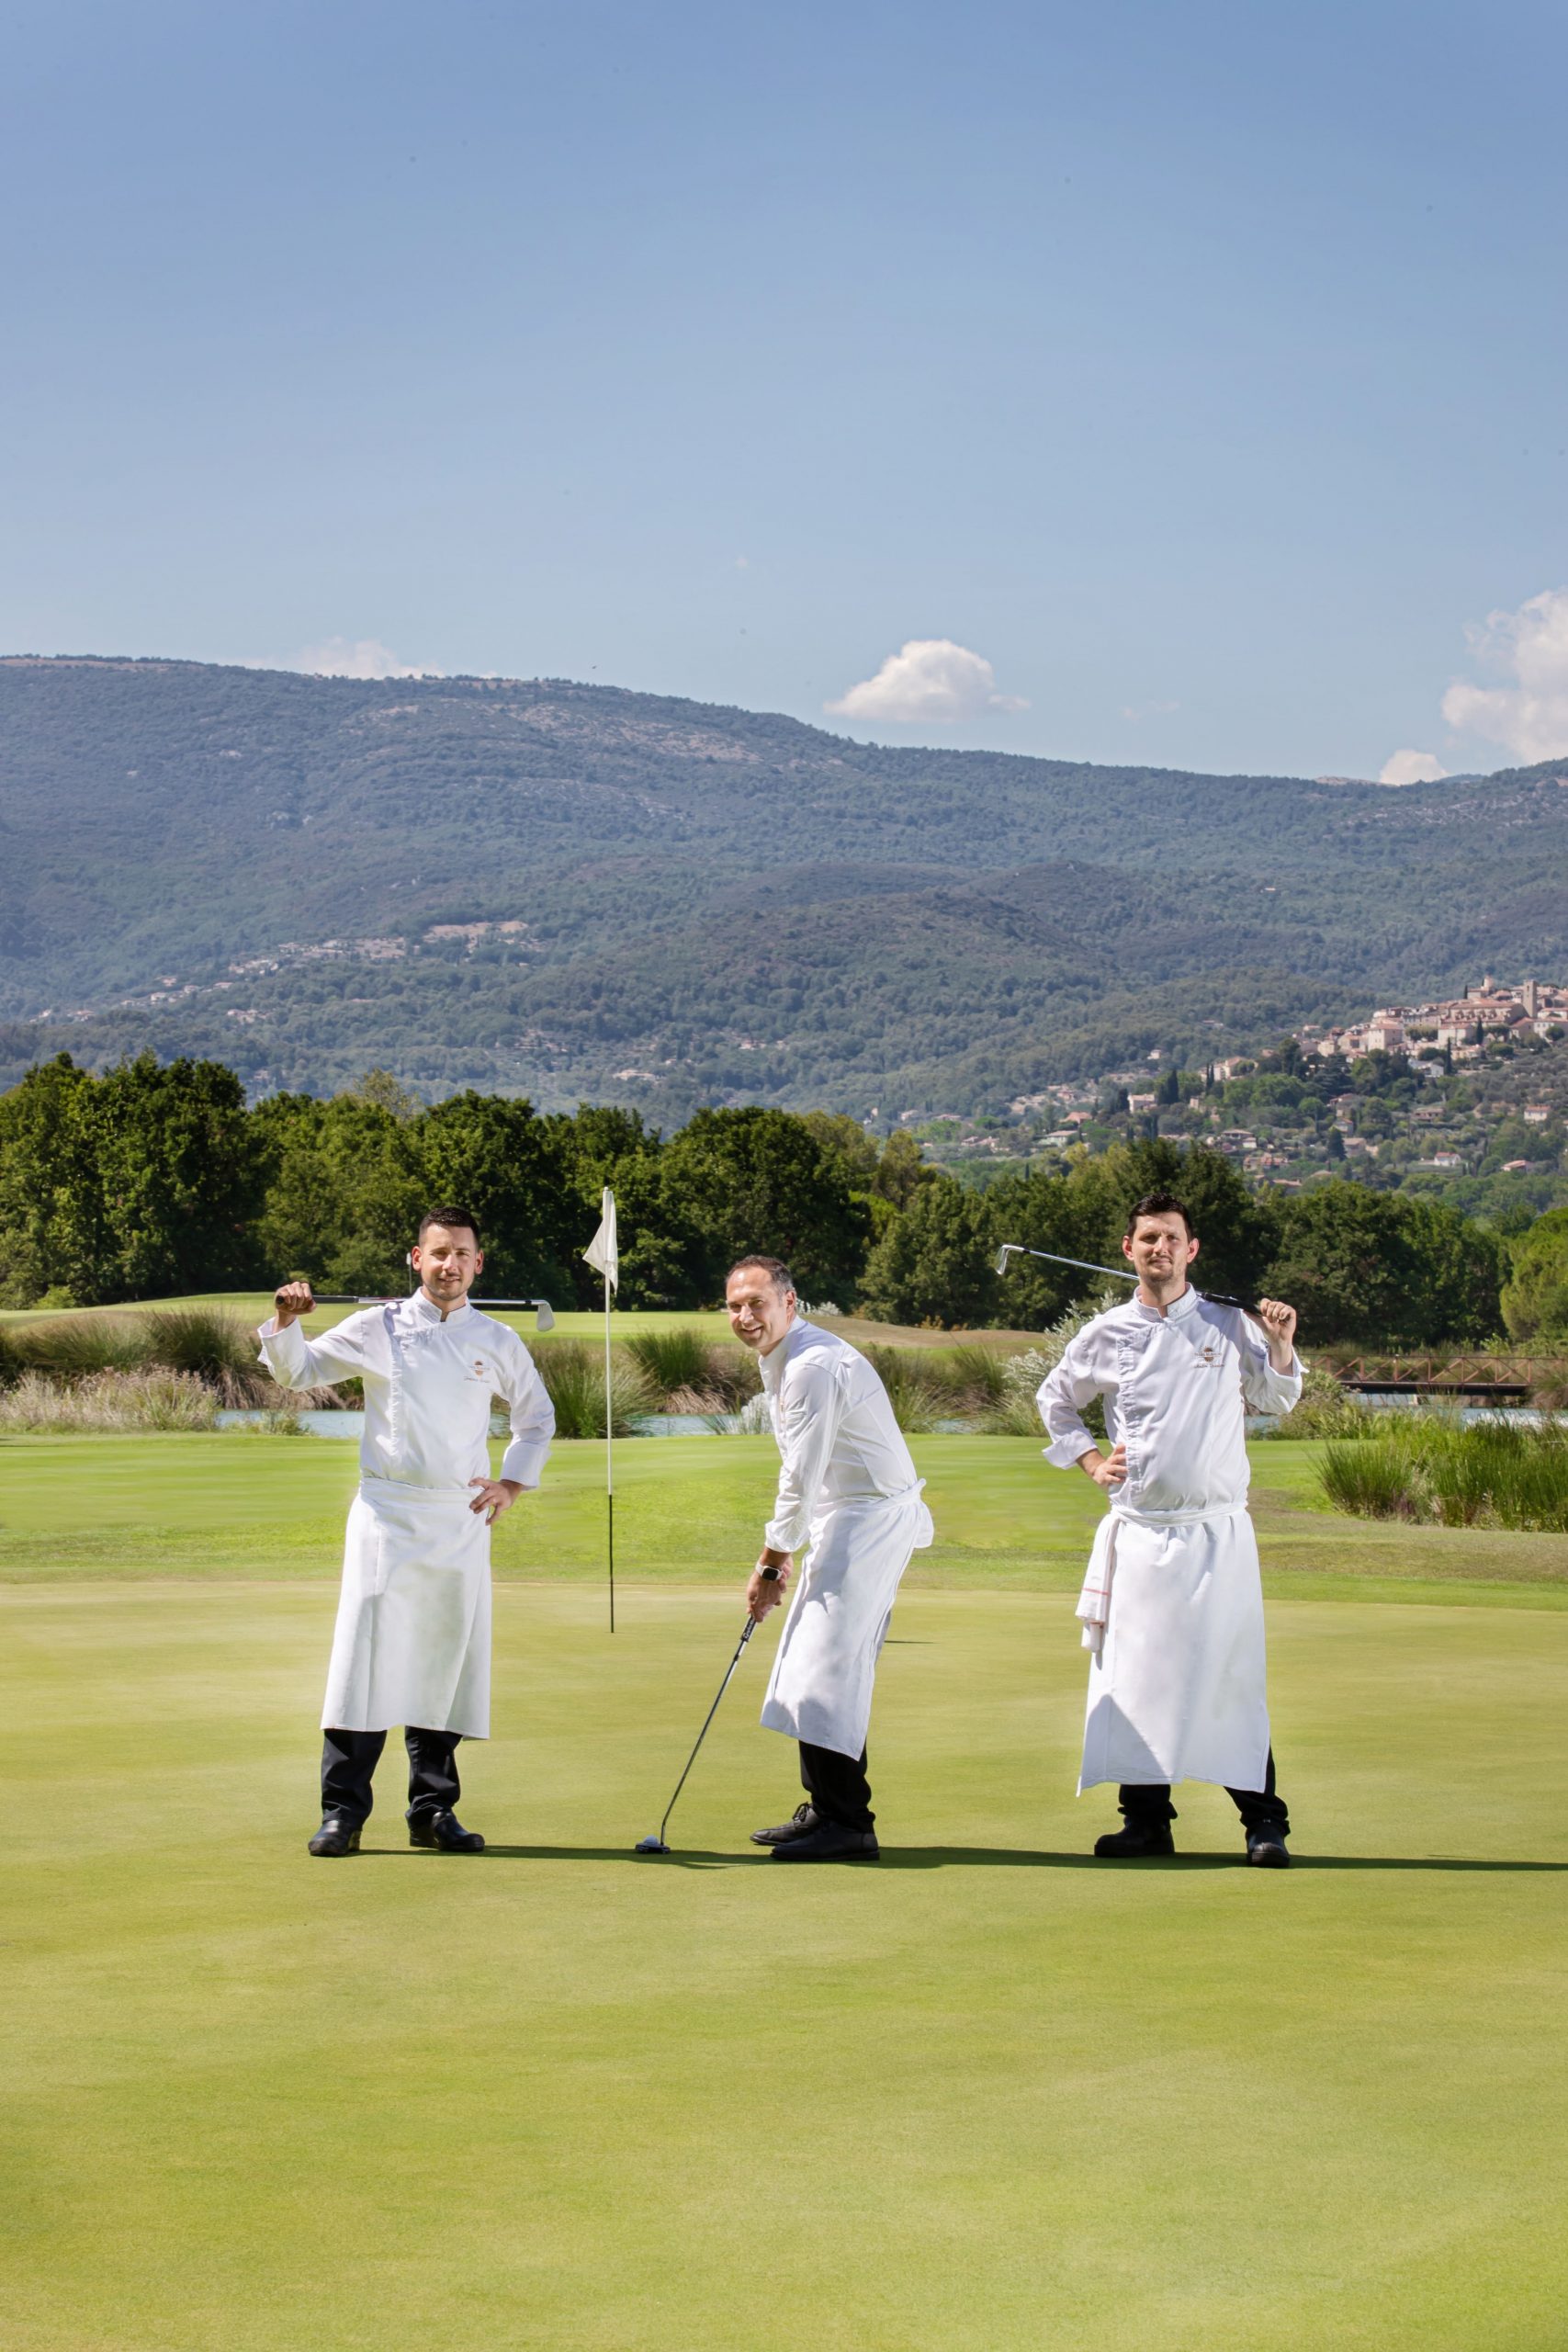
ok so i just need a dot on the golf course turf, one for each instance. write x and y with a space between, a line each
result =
987 2094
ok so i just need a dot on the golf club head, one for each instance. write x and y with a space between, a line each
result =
1002 1257
545 1319
651 1845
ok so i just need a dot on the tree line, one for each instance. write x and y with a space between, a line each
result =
156 1181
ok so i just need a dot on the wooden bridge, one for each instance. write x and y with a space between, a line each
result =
1498 1380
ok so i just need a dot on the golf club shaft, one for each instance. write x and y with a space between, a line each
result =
750 1629
394 1298
1019 1249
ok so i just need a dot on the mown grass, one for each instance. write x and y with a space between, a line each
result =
990 2097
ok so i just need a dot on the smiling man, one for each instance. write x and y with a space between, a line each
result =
846 1489
1173 1605
412 1639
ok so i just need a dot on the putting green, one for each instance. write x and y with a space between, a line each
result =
988 2095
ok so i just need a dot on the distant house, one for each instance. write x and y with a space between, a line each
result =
1536 1114
1515 1167
1136 1102
1446 1159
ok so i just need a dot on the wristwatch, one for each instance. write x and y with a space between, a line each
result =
768 1576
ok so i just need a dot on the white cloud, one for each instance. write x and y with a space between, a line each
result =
363 657
929 682
1411 767
1529 717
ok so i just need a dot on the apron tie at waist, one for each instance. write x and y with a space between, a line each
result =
395 1490
1094 1600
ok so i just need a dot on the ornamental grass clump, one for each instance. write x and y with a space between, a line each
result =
1433 1467
149 1399
74 1347
573 1374
1325 1410
916 1390
219 1348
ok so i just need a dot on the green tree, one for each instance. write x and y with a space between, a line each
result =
138 1184
1535 1299
493 1155
1385 1267
345 1188
935 1264
754 1179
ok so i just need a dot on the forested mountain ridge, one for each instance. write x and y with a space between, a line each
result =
576 890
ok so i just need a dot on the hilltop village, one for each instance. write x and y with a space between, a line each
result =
1465 1098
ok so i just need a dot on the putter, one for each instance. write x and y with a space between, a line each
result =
656 1844
1020 1250
543 1320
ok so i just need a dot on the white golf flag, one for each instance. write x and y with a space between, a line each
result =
601 1252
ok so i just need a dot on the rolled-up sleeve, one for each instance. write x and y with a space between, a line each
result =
533 1418
810 1408
1266 1390
296 1361
1062 1397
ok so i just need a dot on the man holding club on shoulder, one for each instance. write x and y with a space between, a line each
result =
1172 1605
847 1488
412 1639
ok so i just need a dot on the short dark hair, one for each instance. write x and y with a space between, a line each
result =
781 1277
451 1217
1159 1205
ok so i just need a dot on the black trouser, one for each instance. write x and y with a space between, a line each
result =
836 1786
1259 1808
349 1758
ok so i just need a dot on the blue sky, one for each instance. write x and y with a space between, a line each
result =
1199 368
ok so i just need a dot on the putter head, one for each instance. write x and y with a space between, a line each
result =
544 1319
651 1845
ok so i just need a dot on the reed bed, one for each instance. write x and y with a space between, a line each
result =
1432 1467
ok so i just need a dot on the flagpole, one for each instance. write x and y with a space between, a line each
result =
609 1459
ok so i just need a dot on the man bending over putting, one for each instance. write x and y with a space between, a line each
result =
847 1488
412 1639
1172 1605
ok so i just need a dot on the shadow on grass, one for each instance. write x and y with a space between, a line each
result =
941 1857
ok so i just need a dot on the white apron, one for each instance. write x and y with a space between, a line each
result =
411 1644
1177 1687
822 1683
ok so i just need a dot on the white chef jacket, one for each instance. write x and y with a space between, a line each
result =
411 1644
1173 1601
847 1488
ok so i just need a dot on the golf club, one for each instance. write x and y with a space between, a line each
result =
1120 1273
656 1844
544 1319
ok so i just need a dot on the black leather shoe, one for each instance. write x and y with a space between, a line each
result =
829 1841
801 1824
1265 1847
1135 1841
445 1832
338 1835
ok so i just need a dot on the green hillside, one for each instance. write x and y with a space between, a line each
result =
574 892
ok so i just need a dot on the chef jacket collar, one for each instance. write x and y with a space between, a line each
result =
773 1364
428 1312
1177 1312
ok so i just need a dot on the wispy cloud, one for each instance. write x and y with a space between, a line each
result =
1528 715
360 657
930 681
1411 767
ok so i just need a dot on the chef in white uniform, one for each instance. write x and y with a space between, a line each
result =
1172 1606
412 1639
846 1489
